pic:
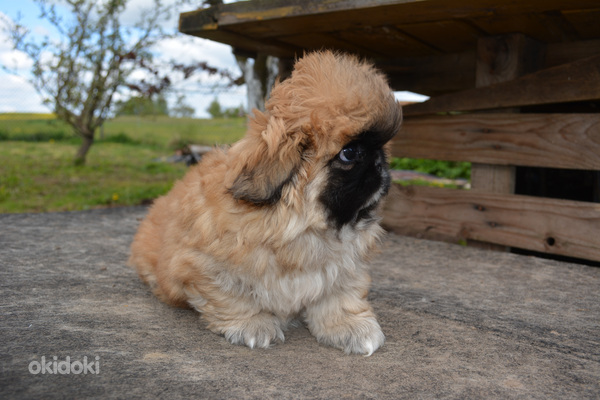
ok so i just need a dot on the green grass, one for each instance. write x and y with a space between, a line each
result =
168 132
37 172
441 169
37 177
162 132
422 182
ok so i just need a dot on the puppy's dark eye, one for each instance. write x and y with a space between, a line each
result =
351 154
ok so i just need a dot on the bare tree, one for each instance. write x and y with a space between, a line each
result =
79 74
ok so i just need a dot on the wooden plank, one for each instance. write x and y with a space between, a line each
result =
258 20
450 36
294 17
253 47
505 58
565 52
193 22
345 14
387 41
493 178
562 227
440 74
500 59
203 24
575 81
245 12
263 23
539 140
585 22
530 24
321 41
432 75
561 29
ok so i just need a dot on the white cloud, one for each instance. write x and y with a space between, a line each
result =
15 60
5 22
136 8
41 31
10 58
17 95
188 49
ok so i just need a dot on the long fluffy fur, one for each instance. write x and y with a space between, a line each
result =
245 239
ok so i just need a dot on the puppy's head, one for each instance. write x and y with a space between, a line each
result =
320 140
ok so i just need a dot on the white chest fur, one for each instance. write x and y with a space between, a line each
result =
320 265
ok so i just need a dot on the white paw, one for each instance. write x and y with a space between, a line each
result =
359 336
258 331
366 340
368 346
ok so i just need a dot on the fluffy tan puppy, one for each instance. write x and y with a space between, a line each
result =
280 225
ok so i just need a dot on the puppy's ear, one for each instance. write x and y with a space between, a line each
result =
270 158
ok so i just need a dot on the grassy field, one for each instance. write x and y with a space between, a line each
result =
36 160
159 132
123 167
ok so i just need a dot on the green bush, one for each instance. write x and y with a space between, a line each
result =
36 136
121 138
442 169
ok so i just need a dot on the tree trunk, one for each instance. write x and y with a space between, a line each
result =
87 141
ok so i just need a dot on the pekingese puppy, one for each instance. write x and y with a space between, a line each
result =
280 225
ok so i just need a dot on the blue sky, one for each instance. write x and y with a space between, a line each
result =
17 95
28 9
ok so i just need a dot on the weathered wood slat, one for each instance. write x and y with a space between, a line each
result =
200 24
343 14
320 41
539 140
464 35
564 52
584 21
501 59
540 26
562 227
386 41
446 31
575 81
444 73
431 75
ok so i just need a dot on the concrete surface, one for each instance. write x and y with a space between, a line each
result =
460 323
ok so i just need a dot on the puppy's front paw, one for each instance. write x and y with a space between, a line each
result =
259 331
353 334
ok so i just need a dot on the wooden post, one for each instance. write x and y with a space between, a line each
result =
501 59
286 65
